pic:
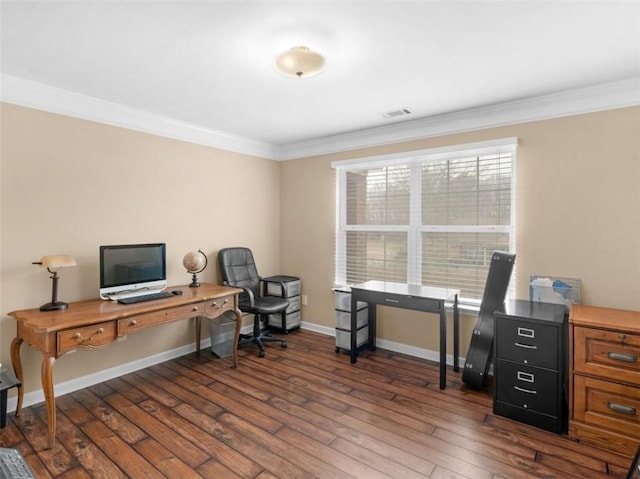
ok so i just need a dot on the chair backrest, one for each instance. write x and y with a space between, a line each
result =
238 268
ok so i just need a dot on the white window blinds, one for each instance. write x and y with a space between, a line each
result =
431 217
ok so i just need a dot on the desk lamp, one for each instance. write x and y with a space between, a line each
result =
53 264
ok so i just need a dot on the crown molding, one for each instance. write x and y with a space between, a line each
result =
608 96
31 94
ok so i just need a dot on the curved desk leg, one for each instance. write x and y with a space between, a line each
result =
17 369
47 386
236 336
443 346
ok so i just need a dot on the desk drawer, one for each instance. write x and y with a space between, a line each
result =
143 321
216 307
87 337
527 342
608 354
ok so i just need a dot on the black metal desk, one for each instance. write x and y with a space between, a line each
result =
408 296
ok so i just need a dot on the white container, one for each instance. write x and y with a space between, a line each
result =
343 301
292 321
222 331
343 319
291 286
343 338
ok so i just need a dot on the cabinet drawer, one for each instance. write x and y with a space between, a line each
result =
608 354
527 343
607 405
87 337
143 321
527 387
216 307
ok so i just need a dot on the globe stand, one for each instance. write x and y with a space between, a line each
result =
194 281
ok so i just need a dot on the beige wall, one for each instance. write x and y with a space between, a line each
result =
70 185
578 215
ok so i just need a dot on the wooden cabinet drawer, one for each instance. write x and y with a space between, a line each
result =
218 306
143 321
608 405
608 354
527 387
87 337
527 342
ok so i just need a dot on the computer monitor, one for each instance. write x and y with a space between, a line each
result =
132 269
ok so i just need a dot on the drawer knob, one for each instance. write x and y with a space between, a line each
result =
627 358
195 308
133 322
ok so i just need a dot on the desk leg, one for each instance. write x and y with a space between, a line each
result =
354 330
443 347
456 335
198 333
236 336
47 386
17 369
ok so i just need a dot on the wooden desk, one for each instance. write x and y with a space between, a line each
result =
408 296
97 323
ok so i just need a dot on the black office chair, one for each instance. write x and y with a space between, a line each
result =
480 350
239 269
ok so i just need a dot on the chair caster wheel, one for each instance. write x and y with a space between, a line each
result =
283 344
261 354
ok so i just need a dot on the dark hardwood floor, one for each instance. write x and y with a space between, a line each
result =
299 412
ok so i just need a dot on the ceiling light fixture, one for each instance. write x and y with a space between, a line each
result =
300 62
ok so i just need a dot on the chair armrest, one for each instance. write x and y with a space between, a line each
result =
281 283
252 302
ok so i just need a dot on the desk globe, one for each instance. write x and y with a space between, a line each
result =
195 262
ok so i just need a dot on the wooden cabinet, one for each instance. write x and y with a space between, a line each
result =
530 367
605 377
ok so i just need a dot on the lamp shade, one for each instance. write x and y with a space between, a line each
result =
300 62
58 261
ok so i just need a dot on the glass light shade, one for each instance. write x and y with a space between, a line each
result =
58 261
300 62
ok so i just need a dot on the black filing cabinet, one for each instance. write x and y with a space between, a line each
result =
530 368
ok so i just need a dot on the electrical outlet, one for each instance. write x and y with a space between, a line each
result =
304 300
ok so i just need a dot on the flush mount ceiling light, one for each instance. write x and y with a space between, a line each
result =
300 62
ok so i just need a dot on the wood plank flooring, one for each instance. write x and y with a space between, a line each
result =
300 412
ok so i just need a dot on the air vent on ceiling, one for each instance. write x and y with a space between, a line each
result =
396 113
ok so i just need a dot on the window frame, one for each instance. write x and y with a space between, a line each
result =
415 229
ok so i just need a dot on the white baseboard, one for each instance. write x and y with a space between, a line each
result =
66 387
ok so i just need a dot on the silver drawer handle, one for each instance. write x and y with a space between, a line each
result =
526 346
523 390
392 300
621 408
628 358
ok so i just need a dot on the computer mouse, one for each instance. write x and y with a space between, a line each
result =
177 292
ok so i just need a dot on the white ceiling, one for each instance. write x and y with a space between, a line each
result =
209 64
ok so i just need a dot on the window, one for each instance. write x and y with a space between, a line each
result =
431 217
